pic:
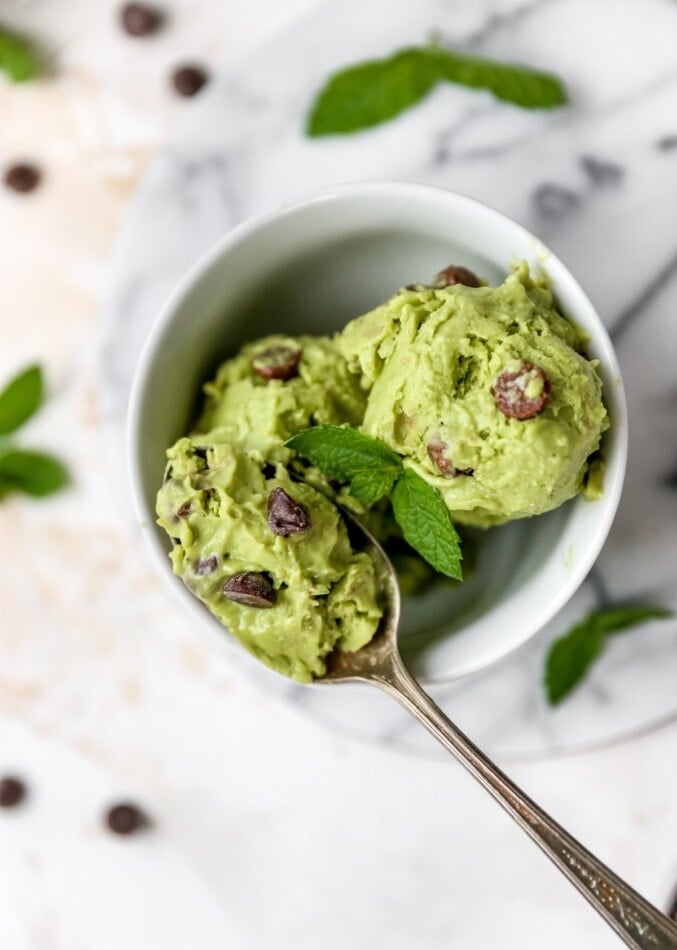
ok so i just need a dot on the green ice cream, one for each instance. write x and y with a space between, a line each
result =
260 412
282 576
485 393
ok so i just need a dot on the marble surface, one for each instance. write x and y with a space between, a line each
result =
265 821
571 176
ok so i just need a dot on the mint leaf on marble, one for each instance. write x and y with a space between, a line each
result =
33 473
374 91
426 523
524 87
18 58
348 455
20 398
571 656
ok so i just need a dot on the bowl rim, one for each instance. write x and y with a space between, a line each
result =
397 190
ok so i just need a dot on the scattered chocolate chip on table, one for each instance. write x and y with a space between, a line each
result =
22 177
189 80
126 819
141 19
12 791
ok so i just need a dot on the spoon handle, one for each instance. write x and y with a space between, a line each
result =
634 919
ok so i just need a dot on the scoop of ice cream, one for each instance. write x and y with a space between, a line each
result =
270 557
277 386
485 391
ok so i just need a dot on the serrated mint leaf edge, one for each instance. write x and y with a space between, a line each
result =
449 563
383 480
315 444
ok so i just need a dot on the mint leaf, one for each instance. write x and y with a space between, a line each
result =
17 57
368 486
31 472
20 399
517 84
570 657
372 469
346 454
426 523
374 91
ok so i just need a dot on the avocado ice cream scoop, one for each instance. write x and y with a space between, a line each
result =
270 557
484 391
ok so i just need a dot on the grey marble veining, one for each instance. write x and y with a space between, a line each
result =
596 180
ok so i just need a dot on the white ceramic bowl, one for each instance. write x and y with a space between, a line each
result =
310 268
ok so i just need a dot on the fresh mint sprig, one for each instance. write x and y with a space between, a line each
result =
28 471
18 59
571 656
344 453
375 91
373 471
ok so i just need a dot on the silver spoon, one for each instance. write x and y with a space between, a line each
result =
634 919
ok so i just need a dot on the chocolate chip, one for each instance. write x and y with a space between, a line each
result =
286 516
188 80
207 565
140 19
268 471
454 274
184 509
250 589
12 791
277 362
522 393
22 177
126 819
436 449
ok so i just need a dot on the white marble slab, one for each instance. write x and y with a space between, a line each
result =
596 180
270 830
